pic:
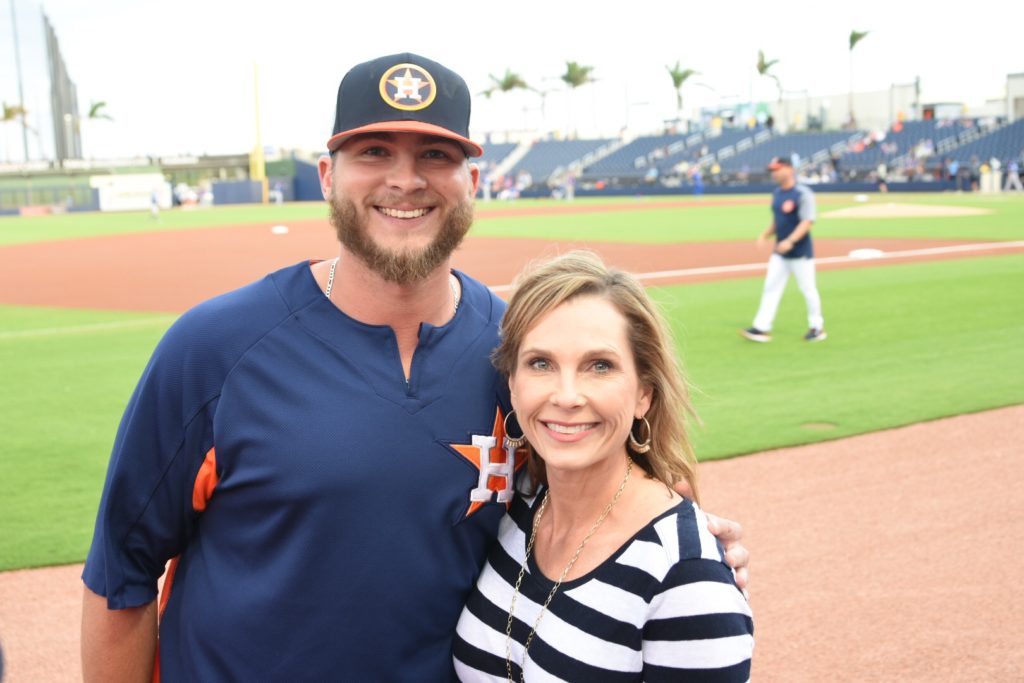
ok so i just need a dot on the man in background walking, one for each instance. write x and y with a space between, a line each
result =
793 214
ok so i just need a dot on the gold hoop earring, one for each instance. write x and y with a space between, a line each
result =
636 445
513 442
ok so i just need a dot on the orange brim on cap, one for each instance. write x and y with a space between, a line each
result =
775 165
472 149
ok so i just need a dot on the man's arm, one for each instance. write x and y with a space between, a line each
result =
118 646
763 238
802 229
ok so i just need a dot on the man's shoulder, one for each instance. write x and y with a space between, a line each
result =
482 298
236 318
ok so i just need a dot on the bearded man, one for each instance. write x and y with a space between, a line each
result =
319 454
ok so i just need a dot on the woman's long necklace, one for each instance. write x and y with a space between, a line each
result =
565 572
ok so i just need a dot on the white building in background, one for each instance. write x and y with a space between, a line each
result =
33 77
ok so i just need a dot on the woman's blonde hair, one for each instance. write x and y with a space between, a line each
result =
544 286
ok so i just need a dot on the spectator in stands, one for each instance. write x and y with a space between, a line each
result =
953 172
698 180
487 175
1013 176
882 172
523 181
716 173
974 173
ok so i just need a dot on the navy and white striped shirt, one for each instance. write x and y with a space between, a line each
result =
664 607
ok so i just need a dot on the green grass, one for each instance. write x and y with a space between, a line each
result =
908 343
652 223
19 230
71 372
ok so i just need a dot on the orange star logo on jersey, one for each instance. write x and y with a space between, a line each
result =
496 464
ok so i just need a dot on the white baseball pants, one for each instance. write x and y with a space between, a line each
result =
779 270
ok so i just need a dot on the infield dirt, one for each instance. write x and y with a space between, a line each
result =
885 556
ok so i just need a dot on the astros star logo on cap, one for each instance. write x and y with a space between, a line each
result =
408 87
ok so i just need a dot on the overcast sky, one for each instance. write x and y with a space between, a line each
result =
178 76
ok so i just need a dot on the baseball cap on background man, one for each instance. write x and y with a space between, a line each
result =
403 93
779 162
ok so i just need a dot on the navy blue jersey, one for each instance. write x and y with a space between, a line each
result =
789 208
330 517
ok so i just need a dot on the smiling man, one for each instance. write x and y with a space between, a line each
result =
320 453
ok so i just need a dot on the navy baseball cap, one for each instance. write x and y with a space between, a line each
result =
779 162
403 93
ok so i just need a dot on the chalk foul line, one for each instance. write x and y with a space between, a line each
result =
86 329
755 267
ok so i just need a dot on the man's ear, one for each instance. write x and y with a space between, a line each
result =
325 166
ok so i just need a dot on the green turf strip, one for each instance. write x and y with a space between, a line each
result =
651 223
648 220
72 372
908 343
19 230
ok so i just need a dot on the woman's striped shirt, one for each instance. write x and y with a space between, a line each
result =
664 607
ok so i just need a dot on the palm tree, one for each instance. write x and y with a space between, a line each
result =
96 111
855 37
575 75
13 112
507 83
16 112
764 69
679 77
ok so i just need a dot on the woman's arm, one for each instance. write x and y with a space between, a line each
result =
700 622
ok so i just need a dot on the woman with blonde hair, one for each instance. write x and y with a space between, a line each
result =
602 571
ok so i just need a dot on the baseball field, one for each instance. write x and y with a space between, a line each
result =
924 303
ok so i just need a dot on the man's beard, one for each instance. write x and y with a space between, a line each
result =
406 266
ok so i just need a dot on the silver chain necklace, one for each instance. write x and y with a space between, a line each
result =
456 294
554 589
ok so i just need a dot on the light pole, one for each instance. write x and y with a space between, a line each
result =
21 93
